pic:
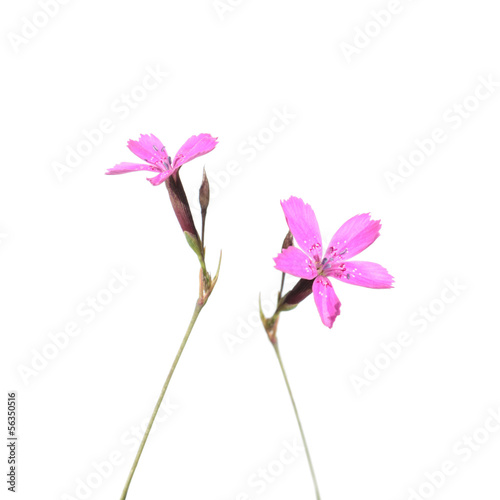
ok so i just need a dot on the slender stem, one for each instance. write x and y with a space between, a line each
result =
197 310
281 288
276 349
203 217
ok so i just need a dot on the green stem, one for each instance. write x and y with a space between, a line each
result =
281 288
203 217
276 349
197 310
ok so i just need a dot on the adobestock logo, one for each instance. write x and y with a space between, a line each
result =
463 449
365 34
253 144
30 28
453 118
266 475
247 151
99 471
121 107
222 7
247 326
419 322
88 310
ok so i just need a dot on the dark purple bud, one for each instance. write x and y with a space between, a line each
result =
180 205
204 193
296 295
288 241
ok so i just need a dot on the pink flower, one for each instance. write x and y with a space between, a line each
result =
152 151
310 263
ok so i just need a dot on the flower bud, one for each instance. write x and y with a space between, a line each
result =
204 194
181 206
297 294
288 241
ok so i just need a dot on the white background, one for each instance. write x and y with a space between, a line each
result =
229 72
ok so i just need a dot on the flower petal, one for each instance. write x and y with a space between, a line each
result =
197 145
295 262
326 300
161 177
149 148
304 226
125 168
366 274
355 235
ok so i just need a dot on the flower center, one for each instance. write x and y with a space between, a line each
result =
333 264
315 250
164 162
